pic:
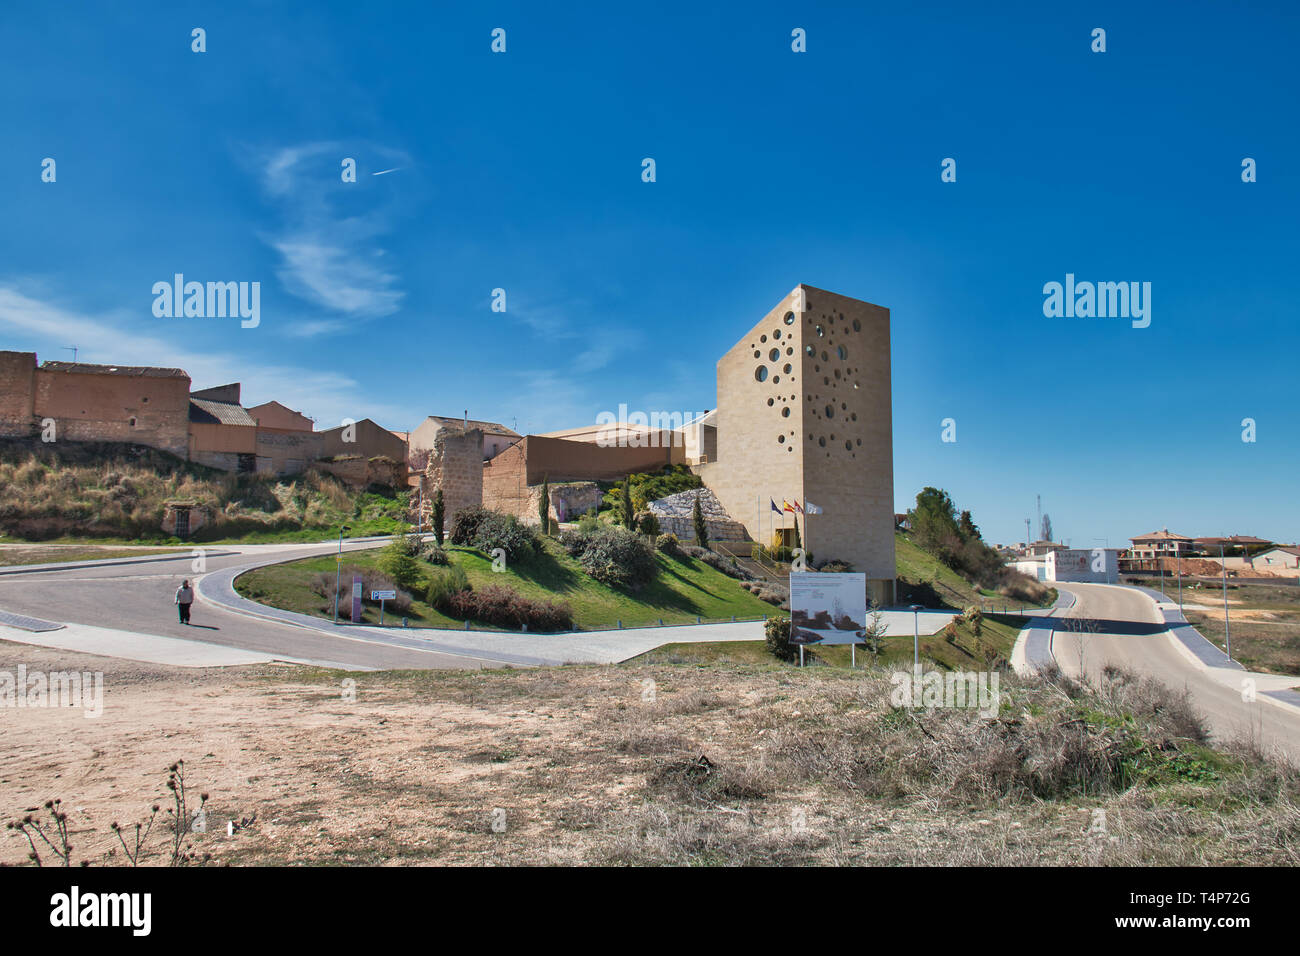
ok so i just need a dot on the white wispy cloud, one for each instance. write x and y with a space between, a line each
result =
329 257
114 338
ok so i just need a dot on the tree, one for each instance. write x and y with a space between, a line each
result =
544 506
439 514
966 527
798 541
874 631
629 516
701 526
1047 528
934 524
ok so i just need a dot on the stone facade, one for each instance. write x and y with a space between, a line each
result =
676 515
456 466
804 412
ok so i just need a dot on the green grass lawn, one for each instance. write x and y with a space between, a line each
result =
685 589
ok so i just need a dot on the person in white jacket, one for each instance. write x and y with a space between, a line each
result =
184 598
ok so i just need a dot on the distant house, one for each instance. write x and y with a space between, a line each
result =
496 438
1280 556
222 433
364 439
1160 544
1233 544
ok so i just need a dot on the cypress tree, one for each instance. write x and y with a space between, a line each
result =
439 512
544 506
629 520
701 526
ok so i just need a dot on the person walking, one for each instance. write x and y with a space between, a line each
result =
184 598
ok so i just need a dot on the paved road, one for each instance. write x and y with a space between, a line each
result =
123 607
135 596
1135 633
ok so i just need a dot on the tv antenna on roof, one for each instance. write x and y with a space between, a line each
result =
73 350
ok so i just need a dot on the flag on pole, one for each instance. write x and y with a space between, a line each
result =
797 508
811 509
788 507
774 507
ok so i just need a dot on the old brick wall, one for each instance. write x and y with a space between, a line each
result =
288 452
17 393
103 407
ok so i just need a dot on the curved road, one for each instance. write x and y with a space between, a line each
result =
135 596
1132 632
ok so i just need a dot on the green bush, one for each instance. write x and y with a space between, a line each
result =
397 562
613 556
776 633
669 545
487 530
444 583
647 523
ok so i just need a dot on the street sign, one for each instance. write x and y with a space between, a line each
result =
382 595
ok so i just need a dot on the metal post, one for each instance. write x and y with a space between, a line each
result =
338 567
916 637
1227 632
1178 565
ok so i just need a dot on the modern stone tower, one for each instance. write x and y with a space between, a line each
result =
804 412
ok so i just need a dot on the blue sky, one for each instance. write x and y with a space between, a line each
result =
522 171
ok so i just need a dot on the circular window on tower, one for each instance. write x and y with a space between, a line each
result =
789 318
774 355
776 333
820 331
787 368
785 412
830 411
857 326
842 352
760 373
809 350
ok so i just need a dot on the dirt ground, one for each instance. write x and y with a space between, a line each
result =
633 764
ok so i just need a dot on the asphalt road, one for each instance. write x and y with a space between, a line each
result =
1132 634
138 597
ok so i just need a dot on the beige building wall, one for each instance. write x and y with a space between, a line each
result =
804 412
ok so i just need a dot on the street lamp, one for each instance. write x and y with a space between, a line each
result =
916 637
338 568
1227 632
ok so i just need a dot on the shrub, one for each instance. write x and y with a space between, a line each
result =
439 515
669 545
613 556
432 553
974 618
371 580
835 567
950 631
487 530
776 633
465 525
718 562
445 583
647 523
501 606
396 562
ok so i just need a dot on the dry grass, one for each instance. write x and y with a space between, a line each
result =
726 764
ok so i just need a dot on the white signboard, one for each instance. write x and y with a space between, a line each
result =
827 608
382 595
